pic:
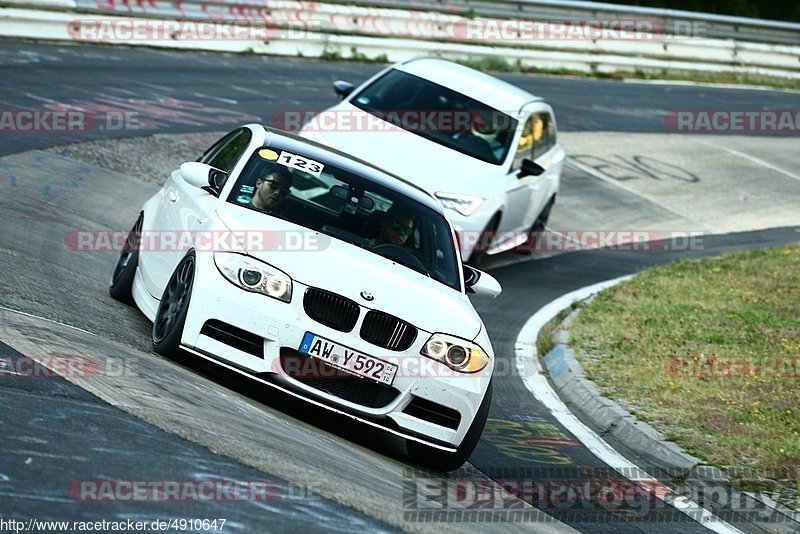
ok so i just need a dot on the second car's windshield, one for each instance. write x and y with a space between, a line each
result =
439 114
349 207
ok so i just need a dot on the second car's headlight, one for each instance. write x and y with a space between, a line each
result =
463 204
456 353
253 275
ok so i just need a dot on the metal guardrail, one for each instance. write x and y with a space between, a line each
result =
676 22
396 34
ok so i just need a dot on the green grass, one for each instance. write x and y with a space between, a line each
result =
334 54
498 64
654 341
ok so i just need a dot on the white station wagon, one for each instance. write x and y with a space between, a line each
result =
322 276
486 149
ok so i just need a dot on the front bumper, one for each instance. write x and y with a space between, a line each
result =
421 387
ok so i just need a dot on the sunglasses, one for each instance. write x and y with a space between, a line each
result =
407 230
276 186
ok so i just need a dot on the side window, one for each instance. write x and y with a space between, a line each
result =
230 151
543 134
211 151
524 146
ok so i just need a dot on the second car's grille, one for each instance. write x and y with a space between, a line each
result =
387 331
330 309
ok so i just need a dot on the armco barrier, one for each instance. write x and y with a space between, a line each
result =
676 21
372 31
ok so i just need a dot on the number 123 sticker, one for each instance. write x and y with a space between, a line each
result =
300 163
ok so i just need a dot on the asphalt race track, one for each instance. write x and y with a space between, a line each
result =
141 417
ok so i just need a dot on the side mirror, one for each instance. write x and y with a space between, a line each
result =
481 283
203 175
343 88
530 168
216 179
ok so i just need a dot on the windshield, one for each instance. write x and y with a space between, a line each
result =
439 114
349 207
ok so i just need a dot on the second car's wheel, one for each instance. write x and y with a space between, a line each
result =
539 226
449 461
120 286
171 313
485 239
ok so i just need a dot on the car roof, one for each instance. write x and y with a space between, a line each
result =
350 163
482 87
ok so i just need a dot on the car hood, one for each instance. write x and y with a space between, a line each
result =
342 268
431 166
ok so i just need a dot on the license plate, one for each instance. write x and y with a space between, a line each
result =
347 359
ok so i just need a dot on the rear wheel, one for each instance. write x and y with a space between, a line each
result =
120 287
171 313
449 461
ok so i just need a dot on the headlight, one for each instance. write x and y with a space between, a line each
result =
456 353
463 204
253 275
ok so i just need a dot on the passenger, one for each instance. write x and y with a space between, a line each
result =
397 226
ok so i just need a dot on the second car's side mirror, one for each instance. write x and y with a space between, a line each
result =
530 168
481 283
343 88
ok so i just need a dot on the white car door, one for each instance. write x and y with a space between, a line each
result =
183 210
549 154
522 194
527 196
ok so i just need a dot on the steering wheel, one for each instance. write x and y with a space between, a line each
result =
400 254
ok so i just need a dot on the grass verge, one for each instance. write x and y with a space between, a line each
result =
708 352
498 64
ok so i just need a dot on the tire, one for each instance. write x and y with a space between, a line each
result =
478 256
440 460
120 287
171 314
538 225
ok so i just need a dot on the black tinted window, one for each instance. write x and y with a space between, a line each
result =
349 207
230 150
440 115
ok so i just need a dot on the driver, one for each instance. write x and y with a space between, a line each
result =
396 227
272 189
488 126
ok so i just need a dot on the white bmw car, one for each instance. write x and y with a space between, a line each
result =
320 275
487 149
